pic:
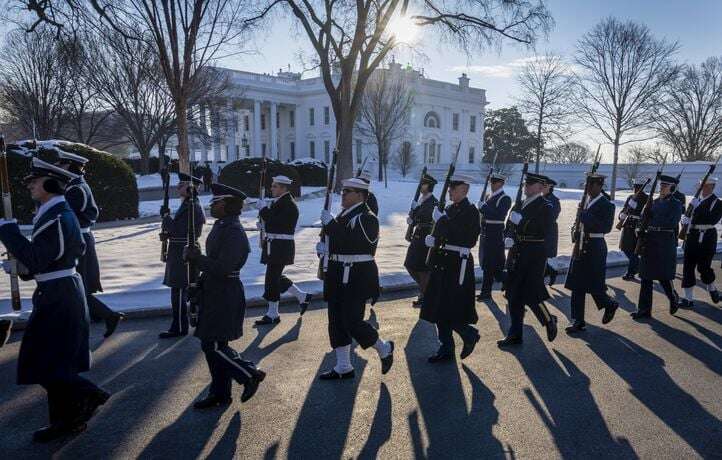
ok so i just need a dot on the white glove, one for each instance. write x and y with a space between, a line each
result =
515 217
632 204
695 202
508 243
6 266
436 215
8 221
429 241
622 216
409 221
685 220
414 204
321 248
262 203
326 217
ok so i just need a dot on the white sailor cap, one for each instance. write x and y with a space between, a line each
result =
462 177
40 168
498 176
282 180
357 183
710 180
639 181
67 156
365 175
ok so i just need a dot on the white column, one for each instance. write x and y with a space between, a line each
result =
204 133
256 128
273 139
464 138
297 130
216 129
231 130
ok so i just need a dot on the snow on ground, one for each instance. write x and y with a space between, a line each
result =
154 181
132 273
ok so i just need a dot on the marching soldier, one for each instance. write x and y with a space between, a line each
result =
80 199
371 201
587 273
552 242
420 220
221 300
449 298
492 258
526 261
352 279
55 346
658 260
700 244
279 217
175 229
630 220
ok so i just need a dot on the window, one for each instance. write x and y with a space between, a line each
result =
278 121
430 152
431 120
326 116
326 151
263 149
472 123
471 154
292 118
248 150
293 149
455 122
359 151
263 121
312 148
311 117
246 123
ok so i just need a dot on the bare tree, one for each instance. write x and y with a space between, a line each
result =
546 91
405 159
688 114
385 111
622 67
655 154
569 153
351 39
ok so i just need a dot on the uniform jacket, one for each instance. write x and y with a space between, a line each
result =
81 201
177 228
491 239
445 300
703 241
628 239
658 260
55 343
222 298
552 242
373 203
280 218
416 253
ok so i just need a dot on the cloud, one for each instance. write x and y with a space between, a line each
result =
508 70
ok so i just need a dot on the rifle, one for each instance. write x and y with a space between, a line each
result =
362 167
261 196
410 227
431 255
323 263
509 226
685 228
578 235
625 209
488 176
165 211
192 269
8 214
646 214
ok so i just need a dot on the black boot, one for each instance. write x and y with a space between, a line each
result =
552 328
251 386
304 305
714 295
333 375
509 341
469 344
267 320
111 323
212 401
576 327
674 304
685 303
609 311
171 334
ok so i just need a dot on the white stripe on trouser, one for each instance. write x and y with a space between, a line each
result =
233 363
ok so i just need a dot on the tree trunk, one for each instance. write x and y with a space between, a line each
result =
380 154
538 145
614 166
344 132
181 112
144 162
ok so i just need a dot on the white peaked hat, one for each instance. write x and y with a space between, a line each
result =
357 183
710 180
498 176
282 180
462 177
365 175
639 181
72 157
40 168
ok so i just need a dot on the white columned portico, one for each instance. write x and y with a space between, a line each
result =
256 128
273 139
231 130
297 134
204 134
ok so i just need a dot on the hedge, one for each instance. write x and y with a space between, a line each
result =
113 183
314 173
245 174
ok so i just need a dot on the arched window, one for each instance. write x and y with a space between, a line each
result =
431 120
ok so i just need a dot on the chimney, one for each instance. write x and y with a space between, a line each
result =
464 82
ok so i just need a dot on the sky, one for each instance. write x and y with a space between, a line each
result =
695 24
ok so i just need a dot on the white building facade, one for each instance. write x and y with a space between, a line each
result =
286 118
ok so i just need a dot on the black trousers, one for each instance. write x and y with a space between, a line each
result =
445 332
179 302
488 277
65 397
516 311
97 309
601 299
225 365
645 293
698 256
633 267
276 283
346 323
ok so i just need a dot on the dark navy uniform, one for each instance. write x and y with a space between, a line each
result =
279 248
449 298
422 224
587 273
492 257
373 203
552 242
628 238
700 244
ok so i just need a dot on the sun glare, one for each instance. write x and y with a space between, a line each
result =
403 29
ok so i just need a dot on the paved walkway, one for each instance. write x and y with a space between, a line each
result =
626 390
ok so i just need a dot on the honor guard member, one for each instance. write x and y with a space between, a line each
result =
352 279
658 260
421 223
279 217
449 298
552 242
587 273
175 229
630 220
55 346
525 263
80 199
700 244
492 258
371 201
221 300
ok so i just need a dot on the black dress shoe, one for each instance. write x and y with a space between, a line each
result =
57 431
267 320
509 341
388 361
417 303
641 314
212 401
684 303
303 306
171 334
112 323
90 404
441 357
333 375
714 295
609 311
552 328
629 277
576 326
674 304
469 345
251 386
6 327
483 296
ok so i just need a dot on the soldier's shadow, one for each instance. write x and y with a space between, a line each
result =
255 352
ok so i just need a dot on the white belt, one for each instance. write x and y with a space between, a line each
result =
40 277
498 222
277 236
464 254
348 260
632 217
595 235
85 230
702 228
